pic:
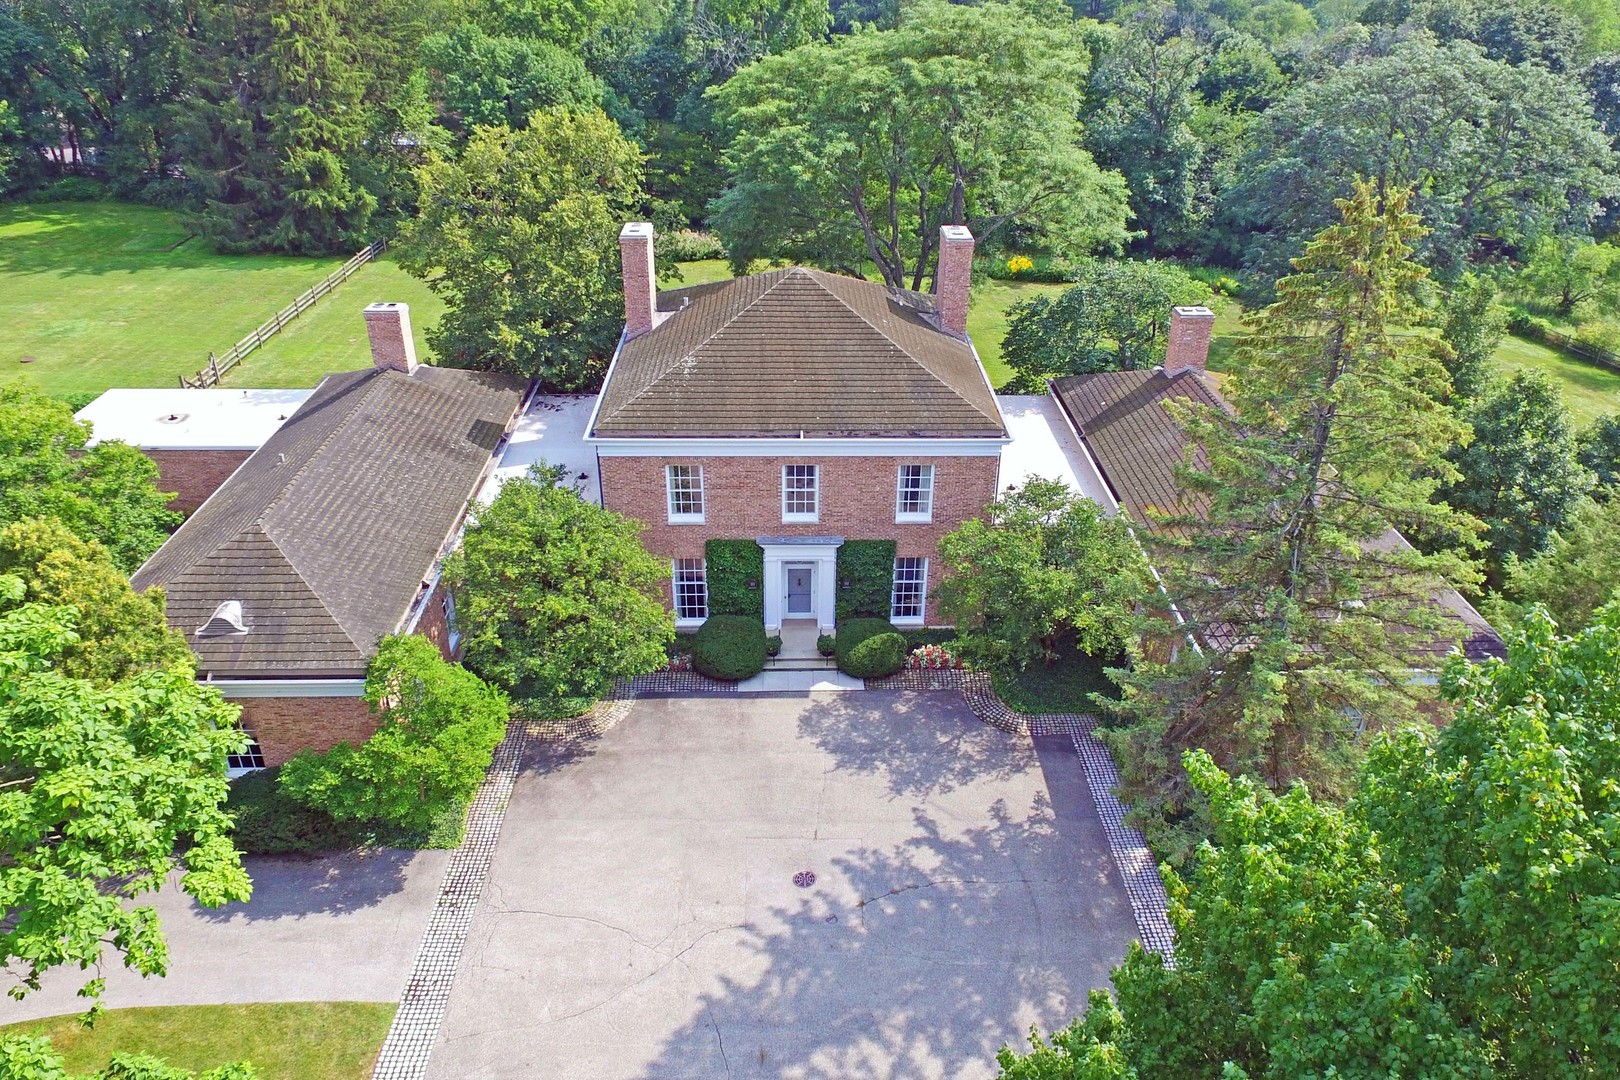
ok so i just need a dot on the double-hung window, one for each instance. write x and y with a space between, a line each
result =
800 493
685 486
452 632
910 590
691 591
914 494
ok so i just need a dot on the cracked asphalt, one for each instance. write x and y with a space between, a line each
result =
641 918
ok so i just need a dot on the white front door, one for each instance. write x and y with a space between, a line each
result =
801 593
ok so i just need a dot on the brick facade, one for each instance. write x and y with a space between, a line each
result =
284 726
433 626
743 500
193 475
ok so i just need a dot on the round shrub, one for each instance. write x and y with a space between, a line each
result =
729 647
870 648
876 657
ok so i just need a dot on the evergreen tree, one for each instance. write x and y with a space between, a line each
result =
1520 474
1311 613
1473 327
272 125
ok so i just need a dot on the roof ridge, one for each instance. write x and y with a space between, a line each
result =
815 275
785 273
332 433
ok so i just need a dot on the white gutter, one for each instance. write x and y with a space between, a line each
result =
288 688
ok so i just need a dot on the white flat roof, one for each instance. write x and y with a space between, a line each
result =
551 429
177 419
1043 445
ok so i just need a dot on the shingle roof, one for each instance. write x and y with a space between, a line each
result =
793 352
1121 417
326 533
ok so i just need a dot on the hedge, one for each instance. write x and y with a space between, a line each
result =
870 648
731 566
865 578
729 647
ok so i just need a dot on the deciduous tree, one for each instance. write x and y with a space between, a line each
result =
1492 149
1311 613
1044 569
120 631
106 493
1452 920
520 237
1116 317
556 597
439 729
862 148
1473 327
104 790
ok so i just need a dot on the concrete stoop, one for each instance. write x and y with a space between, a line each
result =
800 663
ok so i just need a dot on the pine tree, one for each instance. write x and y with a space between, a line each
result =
1311 613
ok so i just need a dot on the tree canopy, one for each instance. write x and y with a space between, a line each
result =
556 598
1280 557
1044 569
104 789
862 148
520 237
107 493
1115 317
1454 919
1491 148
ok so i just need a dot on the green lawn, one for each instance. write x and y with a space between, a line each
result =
105 294
305 1040
1590 391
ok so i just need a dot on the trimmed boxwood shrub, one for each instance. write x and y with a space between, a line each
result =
729 647
731 565
870 648
867 566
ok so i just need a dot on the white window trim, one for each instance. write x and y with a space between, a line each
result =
669 496
452 632
909 620
913 518
675 595
233 772
796 518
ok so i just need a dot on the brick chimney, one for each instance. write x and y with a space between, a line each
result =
389 328
1190 331
640 286
952 279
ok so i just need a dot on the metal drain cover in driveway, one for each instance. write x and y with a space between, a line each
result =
804 879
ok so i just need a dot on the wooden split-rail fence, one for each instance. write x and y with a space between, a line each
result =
219 365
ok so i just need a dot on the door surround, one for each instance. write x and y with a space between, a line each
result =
820 554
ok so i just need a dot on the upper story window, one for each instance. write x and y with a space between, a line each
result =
910 590
801 494
452 632
914 498
685 486
691 590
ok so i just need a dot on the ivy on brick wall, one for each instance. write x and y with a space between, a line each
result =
865 578
736 572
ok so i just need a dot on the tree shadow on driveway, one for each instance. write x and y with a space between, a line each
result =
919 960
921 743
293 886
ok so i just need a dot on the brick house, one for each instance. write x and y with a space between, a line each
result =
330 536
801 410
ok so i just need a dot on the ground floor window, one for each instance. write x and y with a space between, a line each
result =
910 588
247 761
691 590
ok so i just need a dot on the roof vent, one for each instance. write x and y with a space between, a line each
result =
226 620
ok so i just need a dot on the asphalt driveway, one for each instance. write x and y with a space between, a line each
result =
337 928
649 914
